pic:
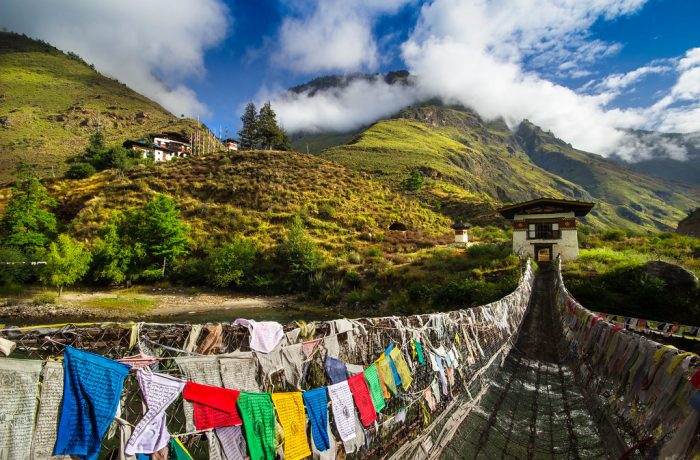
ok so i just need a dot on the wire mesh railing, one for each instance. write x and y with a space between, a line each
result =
641 388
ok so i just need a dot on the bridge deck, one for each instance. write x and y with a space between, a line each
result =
533 409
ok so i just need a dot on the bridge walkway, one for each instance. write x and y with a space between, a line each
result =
533 409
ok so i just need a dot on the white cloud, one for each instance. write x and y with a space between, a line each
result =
619 81
645 146
151 46
472 51
331 35
358 104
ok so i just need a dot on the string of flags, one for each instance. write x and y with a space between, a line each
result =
92 387
648 326
655 387
80 400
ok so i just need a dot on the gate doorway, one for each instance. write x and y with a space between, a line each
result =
543 252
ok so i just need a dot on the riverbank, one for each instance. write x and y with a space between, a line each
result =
37 306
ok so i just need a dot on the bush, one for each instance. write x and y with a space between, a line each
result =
80 171
232 264
614 234
353 279
151 275
44 298
298 253
414 181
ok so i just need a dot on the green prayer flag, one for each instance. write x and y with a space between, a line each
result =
258 415
419 351
375 387
178 450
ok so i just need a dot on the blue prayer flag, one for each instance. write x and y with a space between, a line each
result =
316 402
91 391
336 370
397 378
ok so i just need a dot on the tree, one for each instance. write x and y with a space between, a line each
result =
249 131
27 223
299 253
160 230
414 181
96 152
14 268
231 263
269 131
67 260
283 142
112 256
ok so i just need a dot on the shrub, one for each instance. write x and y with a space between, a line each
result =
414 181
613 234
80 171
353 279
44 298
299 254
354 258
151 275
231 264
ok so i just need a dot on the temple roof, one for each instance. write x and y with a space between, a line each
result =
547 206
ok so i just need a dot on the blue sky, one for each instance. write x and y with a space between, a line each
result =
580 68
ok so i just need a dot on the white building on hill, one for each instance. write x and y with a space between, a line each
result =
546 227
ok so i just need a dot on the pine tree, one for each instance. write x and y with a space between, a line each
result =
269 132
27 224
161 230
249 131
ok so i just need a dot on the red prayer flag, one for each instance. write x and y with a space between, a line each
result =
214 407
363 400
695 379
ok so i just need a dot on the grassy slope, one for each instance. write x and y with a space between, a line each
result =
50 103
472 167
627 198
254 194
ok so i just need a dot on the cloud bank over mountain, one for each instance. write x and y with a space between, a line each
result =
152 46
473 52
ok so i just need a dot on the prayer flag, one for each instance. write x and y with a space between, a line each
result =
316 402
214 407
258 415
401 367
178 450
343 410
91 391
375 387
151 433
386 374
335 369
290 411
363 399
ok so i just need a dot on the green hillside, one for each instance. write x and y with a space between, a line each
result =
50 103
471 167
254 194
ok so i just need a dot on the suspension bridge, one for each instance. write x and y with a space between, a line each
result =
534 375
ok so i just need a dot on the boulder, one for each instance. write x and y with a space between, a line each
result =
675 276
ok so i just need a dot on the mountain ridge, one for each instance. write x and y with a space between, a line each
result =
471 161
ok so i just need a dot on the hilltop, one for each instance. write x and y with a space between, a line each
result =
51 102
472 166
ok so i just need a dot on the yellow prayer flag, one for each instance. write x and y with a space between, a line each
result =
290 411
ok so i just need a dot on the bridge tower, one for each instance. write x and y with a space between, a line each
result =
546 227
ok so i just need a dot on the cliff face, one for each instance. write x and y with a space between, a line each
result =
690 225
